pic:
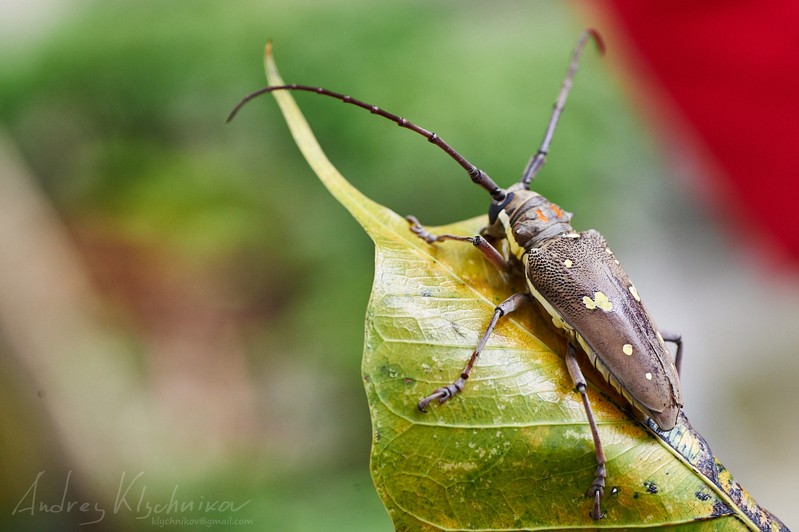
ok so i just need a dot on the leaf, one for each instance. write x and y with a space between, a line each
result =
513 451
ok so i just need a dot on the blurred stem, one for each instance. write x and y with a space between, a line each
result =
49 317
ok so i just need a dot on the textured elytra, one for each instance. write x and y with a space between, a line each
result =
596 298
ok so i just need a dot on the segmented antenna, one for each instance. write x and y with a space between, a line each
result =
537 161
477 176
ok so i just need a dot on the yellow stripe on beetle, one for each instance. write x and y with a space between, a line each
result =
515 248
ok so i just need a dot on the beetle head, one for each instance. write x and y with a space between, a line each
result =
525 217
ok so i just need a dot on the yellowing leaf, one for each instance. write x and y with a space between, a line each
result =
513 451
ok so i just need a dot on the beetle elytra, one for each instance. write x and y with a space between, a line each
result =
574 275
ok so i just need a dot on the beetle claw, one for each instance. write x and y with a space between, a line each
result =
442 394
596 512
596 491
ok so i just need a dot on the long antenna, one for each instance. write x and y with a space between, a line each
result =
537 161
477 176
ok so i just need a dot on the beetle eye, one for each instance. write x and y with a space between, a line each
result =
494 208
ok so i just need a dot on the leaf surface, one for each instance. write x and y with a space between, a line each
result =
513 451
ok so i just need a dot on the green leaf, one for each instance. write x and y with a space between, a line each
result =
513 451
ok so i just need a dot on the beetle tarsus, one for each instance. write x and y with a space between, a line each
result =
480 242
596 513
422 405
442 394
418 229
596 491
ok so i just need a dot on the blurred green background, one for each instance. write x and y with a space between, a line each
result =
181 302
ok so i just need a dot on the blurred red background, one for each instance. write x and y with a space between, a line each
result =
726 65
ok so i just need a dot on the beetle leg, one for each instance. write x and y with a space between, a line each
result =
485 247
447 392
597 488
676 339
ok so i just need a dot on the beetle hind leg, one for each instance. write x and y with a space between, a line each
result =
597 488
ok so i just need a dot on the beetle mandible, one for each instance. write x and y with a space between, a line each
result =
573 275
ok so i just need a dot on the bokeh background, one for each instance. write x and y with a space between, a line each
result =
181 302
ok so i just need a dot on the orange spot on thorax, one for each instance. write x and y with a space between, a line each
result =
553 208
541 215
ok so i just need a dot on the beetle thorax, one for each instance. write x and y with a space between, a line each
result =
526 219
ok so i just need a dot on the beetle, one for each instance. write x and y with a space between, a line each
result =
574 275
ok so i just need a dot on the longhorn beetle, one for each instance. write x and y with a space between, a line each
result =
574 275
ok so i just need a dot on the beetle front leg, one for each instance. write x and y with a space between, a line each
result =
488 251
447 392
597 488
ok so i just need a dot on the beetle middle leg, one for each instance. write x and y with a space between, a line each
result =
447 392
483 245
597 488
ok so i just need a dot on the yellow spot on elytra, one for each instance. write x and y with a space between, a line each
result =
600 301
568 263
648 376
634 292
627 349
